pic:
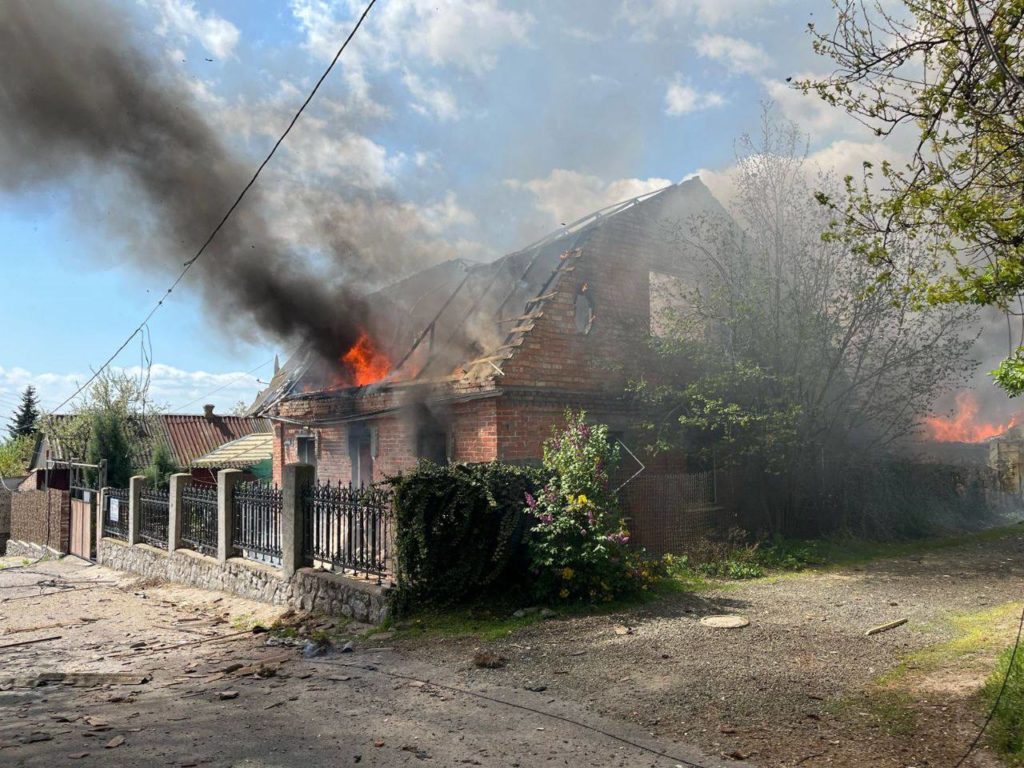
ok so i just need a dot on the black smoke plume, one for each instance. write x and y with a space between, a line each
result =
78 101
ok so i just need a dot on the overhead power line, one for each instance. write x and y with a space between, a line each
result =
1010 670
188 264
239 377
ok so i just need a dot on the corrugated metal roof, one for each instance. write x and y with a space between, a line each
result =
240 453
190 437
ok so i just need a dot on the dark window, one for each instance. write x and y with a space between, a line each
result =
432 444
305 447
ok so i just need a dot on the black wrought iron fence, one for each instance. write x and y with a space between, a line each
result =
153 517
348 528
115 513
199 518
256 521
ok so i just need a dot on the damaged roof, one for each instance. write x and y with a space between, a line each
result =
466 314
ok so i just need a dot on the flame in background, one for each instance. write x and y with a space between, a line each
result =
365 363
964 426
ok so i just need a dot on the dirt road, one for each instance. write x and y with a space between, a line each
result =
802 684
216 694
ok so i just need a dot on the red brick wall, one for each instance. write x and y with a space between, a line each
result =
42 517
475 426
556 366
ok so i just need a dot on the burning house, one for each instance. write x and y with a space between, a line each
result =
478 362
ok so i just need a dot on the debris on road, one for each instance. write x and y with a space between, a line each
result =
886 627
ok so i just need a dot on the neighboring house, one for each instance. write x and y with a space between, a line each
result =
189 437
485 358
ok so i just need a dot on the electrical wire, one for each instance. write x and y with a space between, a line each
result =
524 707
223 386
202 249
999 696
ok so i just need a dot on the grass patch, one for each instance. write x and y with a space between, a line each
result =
490 621
243 621
1006 731
977 637
484 624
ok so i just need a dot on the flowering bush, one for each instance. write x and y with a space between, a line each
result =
578 544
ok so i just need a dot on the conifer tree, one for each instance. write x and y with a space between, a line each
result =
24 422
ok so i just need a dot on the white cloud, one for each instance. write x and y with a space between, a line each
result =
845 157
648 16
217 35
431 100
465 34
839 158
682 98
738 55
445 214
812 114
566 195
169 386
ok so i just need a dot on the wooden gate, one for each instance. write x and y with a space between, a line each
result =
83 513
84 481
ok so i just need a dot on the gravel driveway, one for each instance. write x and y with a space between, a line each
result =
799 685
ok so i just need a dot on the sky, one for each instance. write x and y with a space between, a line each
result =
484 124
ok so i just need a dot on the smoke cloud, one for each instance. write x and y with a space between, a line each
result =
78 101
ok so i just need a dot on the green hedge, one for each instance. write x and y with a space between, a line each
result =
460 531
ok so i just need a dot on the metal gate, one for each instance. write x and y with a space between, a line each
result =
84 482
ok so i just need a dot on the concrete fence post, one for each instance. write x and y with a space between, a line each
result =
295 478
135 487
178 482
227 479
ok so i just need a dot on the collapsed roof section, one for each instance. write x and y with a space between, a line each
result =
459 320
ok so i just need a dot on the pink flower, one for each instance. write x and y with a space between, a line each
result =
530 501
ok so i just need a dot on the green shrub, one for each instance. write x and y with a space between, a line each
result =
579 543
459 531
1006 731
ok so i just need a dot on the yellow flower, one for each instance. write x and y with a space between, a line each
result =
564 593
567 573
582 500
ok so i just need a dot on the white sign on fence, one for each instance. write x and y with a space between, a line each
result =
115 510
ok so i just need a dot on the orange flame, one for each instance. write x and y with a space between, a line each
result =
963 426
365 362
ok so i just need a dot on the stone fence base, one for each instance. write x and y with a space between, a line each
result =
16 548
308 590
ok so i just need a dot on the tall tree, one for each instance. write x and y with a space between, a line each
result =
26 417
947 75
784 350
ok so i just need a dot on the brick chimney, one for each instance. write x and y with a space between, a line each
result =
208 412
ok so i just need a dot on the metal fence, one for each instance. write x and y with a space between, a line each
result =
199 518
115 513
348 528
256 521
153 517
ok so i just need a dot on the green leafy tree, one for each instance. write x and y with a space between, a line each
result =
161 466
114 422
948 77
108 441
782 351
15 454
25 419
